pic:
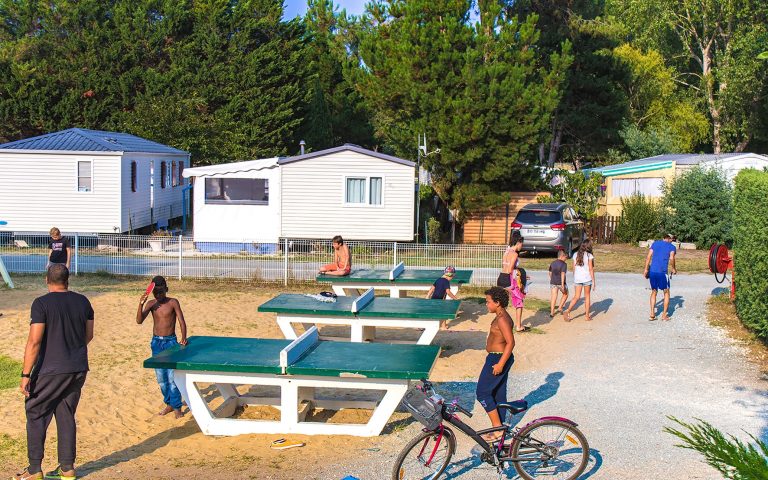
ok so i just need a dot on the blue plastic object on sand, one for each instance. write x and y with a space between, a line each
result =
350 477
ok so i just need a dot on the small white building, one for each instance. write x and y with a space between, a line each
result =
89 181
349 191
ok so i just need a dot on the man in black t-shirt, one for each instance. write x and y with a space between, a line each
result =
54 370
59 249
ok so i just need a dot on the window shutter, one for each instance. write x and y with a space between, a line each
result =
133 176
163 174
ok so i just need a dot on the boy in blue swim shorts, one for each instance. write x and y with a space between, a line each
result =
661 256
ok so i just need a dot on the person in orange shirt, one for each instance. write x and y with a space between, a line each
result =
342 259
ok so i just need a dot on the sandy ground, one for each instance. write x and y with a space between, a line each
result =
618 376
119 433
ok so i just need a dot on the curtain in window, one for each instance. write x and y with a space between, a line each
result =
624 187
376 183
650 187
355 190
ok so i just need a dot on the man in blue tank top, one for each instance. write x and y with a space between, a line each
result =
660 257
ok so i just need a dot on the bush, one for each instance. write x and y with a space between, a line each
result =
433 230
640 219
728 455
750 261
698 207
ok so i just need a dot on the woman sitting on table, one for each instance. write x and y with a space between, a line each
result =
342 259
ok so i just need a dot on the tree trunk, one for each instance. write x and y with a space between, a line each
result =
554 145
709 86
742 145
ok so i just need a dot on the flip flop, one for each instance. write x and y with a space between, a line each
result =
283 444
525 329
667 318
652 318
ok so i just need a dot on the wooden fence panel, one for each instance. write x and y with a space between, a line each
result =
602 229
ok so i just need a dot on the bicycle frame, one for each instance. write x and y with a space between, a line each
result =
476 435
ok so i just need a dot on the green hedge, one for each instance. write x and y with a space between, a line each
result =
750 236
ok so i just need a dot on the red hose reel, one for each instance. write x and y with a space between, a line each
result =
720 261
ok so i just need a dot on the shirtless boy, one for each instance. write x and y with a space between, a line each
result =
342 260
492 384
165 312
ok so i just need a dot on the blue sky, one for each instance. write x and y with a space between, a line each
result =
299 7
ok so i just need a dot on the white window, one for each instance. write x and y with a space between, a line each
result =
364 191
237 191
84 176
648 187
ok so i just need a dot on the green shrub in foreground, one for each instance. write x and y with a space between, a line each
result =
749 249
640 219
731 457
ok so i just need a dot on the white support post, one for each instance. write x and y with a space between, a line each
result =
394 260
181 253
285 262
77 251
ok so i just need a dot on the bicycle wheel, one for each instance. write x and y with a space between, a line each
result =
550 448
414 461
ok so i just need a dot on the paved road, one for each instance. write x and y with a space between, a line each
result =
620 380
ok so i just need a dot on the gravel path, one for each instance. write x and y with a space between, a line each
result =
619 379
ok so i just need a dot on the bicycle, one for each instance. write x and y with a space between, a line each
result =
550 446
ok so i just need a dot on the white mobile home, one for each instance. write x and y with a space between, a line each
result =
350 191
89 181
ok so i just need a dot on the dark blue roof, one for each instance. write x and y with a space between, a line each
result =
82 140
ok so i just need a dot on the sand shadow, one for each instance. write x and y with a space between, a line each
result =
542 393
136 451
674 303
720 291
601 307
458 469
539 318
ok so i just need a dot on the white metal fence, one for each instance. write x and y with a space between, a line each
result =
290 261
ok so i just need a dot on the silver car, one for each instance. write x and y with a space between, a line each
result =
549 227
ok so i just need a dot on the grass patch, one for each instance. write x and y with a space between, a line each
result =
721 312
9 372
536 331
12 448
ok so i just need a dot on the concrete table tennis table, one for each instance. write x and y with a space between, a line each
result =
299 368
363 314
396 280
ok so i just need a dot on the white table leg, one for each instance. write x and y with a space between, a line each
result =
289 406
430 331
339 290
286 327
356 333
395 292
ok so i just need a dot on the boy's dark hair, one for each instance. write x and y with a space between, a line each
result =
57 274
338 239
159 281
499 295
562 253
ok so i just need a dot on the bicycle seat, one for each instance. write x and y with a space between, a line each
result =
515 407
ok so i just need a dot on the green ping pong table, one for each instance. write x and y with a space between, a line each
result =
363 314
397 280
305 370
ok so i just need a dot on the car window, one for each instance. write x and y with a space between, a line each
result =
537 217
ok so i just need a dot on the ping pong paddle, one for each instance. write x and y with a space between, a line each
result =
150 287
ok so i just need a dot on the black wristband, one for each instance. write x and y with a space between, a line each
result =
25 375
